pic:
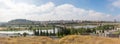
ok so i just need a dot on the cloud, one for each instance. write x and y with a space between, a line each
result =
10 10
116 3
68 12
49 11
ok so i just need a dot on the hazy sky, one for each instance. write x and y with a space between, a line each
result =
59 10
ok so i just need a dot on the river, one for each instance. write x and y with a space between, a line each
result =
13 33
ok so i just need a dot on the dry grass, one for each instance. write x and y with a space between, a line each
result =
78 39
3 28
71 39
27 40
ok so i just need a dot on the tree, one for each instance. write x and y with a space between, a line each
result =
41 33
66 31
19 34
81 30
36 32
88 30
105 27
58 33
50 34
25 34
54 30
47 33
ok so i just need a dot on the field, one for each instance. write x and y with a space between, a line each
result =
3 28
71 39
27 40
24 28
78 39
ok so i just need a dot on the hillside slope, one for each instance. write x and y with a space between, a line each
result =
78 39
71 39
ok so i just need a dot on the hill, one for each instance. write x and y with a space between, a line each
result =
78 39
19 21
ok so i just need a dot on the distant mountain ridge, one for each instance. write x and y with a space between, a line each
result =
20 21
27 22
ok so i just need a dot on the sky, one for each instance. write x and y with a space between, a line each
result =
43 10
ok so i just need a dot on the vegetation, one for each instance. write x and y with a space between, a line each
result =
70 39
78 39
63 31
105 27
25 34
27 40
65 35
117 32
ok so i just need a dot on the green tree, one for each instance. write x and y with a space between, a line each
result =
54 30
30 28
41 33
36 32
47 33
25 34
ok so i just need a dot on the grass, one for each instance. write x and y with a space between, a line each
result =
3 28
78 39
27 40
18 29
71 39
44 28
117 32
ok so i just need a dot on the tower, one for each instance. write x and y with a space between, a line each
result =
115 21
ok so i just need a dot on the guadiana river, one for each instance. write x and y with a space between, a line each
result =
15 33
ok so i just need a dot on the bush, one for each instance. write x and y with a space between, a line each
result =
25 34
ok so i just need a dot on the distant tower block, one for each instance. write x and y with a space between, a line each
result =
115 20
